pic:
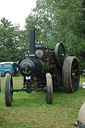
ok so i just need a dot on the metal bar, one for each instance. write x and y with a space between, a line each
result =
18 90
29 90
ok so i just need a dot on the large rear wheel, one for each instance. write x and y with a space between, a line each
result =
70 74
8 90
49 92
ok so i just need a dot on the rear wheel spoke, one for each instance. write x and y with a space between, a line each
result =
74 65
74 83
76 70
75 77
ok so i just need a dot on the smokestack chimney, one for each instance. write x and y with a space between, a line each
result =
31 33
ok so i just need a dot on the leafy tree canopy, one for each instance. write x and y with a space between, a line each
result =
12 41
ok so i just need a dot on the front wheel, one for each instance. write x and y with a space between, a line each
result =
8 90
49 92
70 74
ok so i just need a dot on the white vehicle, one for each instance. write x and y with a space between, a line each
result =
84 72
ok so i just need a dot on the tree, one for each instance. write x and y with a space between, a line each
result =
56 20
12 41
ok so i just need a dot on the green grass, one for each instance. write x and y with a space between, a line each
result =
31 110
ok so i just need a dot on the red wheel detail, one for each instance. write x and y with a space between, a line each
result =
70 74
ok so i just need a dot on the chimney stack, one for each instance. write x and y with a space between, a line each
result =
31 34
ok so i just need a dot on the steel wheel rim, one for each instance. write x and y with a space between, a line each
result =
11 89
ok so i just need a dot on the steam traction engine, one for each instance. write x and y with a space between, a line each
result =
45 70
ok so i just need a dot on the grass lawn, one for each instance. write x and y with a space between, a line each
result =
31 110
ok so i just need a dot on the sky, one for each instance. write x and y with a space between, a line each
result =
16 10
